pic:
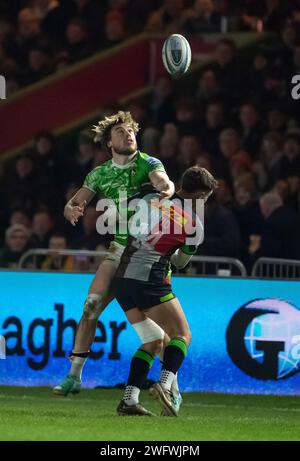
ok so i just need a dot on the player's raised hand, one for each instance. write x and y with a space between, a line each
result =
76 212
168 190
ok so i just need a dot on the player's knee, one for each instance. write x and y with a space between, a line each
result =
154 347
185 334
157 346
188 337
93 306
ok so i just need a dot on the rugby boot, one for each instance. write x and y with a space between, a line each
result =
163 396
132 410
71 384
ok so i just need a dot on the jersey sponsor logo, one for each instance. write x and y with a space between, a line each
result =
168 210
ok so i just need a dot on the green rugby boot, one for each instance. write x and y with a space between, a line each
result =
163 396
71 384
177 400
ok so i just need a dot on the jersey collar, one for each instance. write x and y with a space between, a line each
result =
127 165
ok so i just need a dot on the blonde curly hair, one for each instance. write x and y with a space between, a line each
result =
104 126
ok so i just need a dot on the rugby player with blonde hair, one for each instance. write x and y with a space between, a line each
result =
126 171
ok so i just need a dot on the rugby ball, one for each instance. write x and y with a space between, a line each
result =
176 55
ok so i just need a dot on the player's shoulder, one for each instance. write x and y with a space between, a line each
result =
149 160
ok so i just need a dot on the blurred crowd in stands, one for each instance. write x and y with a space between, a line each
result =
40 37
239 121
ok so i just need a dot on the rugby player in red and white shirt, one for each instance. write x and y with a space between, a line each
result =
161 231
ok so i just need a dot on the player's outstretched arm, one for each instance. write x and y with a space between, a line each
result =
162 183
75 207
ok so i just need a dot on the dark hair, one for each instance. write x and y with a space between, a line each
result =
58 234
197 178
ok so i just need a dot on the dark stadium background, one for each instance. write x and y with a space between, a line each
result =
68 63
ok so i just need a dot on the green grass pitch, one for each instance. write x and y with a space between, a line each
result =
35 414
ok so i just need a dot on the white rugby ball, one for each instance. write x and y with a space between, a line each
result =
176 55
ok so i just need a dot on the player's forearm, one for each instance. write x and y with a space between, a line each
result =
164 184
180 259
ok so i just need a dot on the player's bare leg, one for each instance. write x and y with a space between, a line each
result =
170 317
98 298
151 336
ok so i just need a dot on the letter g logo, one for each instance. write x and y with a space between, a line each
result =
261 339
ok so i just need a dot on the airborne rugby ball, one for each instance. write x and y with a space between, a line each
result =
176 55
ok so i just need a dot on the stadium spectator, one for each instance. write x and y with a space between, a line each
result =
17 239
288 40
44 152
224 193
208 89
211 128
201 18
161 103
229 145
24 184
257 78
186 116
38 65
273 13
78 44
239 165
168 18
228 71
42 226
54 261
222 235
189 151
251 129
247 212
19 216
168 149
28 35
267 168
114 29
82 163
137 9
281 229
277 120
92 14
290 162
54 17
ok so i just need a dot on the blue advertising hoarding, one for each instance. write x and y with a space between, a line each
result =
246 333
